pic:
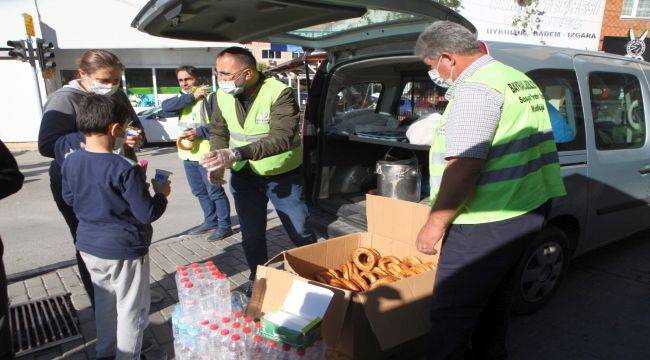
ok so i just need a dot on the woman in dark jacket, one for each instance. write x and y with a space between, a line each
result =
100 72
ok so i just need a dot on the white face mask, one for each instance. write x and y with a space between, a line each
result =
119 143
438 80
103 89
229 87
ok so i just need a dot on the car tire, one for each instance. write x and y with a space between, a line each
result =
540 270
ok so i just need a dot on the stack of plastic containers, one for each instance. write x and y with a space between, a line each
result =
208 322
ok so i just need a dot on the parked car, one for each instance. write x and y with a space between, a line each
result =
604 98
156 127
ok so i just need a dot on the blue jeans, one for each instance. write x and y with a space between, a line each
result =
252 193
213 199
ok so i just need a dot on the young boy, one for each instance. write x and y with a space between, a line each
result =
111 199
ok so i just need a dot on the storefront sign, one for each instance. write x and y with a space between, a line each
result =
572 24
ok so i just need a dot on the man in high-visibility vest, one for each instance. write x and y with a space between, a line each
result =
255 132
494 169
193 109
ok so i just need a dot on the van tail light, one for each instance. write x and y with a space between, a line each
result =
484 48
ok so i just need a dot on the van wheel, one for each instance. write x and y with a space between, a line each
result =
540 270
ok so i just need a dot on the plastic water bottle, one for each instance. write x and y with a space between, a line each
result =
224 344
236 328
214 341
223 295
271 350
300 354
285 354
239 318
236 348
204 339
247 337
257 329
256 350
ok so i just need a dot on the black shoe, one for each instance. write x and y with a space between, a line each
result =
201 229
220 234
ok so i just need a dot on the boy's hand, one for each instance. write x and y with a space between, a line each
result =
188 134
134 140
163 189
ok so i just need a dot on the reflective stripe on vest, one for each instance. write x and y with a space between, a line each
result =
522 169
257 127
194 116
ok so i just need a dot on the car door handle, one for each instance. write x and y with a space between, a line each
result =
645 170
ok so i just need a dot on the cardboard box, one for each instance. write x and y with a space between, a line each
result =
387 322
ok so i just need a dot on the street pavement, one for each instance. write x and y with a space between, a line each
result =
599 312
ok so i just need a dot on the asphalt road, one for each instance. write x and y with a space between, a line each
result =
34 232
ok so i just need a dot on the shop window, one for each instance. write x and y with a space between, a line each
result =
270 54
617 110
139 87
560 89
636 8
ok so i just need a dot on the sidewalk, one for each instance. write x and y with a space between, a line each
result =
164 255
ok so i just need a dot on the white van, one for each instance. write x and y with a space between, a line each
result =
372 77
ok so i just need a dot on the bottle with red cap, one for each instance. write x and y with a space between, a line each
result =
299 354
257 328
204 339
236 349
214 341
285 353
271 350
224 344
256 350
236 328
247 336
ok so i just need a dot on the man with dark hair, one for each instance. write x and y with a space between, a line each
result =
11 180
255 133
111 199
193 107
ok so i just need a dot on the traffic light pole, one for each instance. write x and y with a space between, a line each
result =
32 62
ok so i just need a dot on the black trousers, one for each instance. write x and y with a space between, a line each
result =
70 219
471 296
5 334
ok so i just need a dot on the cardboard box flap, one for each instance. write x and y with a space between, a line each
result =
395 219
386 308
271 289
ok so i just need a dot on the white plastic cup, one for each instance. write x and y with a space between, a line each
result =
162 176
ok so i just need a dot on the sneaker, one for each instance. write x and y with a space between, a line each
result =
201 229
220 234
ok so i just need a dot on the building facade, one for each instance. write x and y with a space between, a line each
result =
620 17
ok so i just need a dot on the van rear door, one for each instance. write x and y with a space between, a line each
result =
617 109
313 24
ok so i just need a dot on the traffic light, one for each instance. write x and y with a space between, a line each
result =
18 49
45 52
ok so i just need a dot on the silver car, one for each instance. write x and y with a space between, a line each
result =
599 102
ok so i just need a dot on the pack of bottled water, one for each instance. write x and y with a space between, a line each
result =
209 323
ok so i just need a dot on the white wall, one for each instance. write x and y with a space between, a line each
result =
21 113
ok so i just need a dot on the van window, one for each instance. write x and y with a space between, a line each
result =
420 98
617 108
358 97
560 89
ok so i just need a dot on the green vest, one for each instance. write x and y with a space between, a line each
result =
194 116
522 170
256 127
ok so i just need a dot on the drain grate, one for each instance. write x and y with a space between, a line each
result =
43 323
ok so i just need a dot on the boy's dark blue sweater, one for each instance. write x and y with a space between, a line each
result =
111 201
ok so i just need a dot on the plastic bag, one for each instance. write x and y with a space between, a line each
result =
421 131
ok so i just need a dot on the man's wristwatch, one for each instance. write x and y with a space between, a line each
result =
236 154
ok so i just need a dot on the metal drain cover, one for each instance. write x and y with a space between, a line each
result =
43 323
